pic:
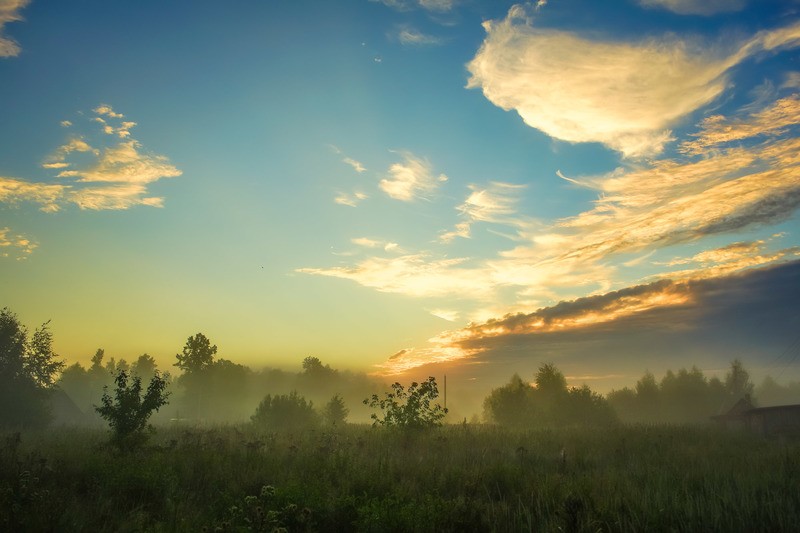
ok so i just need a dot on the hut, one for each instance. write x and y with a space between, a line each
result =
774 420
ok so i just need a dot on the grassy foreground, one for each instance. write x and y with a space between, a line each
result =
457 478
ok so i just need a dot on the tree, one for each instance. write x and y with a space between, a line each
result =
285 412
128 411
198 353
737 381
511 404
28 370
408 409
144 367
335 412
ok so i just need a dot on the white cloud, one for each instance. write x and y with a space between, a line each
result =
351 200
357 166
10 12
438 6
412 37
550 78
696 7
412 179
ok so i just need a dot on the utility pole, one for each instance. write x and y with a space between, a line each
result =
445 391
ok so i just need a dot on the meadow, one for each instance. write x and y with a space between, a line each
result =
460 477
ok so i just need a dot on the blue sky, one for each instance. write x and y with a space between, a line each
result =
382 183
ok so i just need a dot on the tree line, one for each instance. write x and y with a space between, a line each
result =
212 389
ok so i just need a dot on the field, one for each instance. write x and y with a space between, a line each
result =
455 478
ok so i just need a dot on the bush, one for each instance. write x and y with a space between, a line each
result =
408 409
288 412
127 413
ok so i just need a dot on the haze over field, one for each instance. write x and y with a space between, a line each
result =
407 187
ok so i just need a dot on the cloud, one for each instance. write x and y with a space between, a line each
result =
696 7
550 78
411 180
445 314
351 200
495 203
16 246
10 12
114 177
48 195
411 37
357 166
371 243
437 6
718 130
413 275
124 163
664 317
644 207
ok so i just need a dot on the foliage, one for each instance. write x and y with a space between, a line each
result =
287 412
28 368
335 411
197 354
128 412
410 408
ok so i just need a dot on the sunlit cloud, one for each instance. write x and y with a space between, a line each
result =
567 315
728 259
674 308
411 180
550 78
350 200
640 209
372 243
495 203
718 130
47 195
14 245
413 275
445 314
357 166
696 7
10 12
113 177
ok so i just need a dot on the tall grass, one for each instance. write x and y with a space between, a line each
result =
456 478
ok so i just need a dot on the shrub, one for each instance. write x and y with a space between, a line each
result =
288 412
410 408
127 413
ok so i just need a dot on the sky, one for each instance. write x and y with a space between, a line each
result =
407 187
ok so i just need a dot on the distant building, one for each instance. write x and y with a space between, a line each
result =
775 420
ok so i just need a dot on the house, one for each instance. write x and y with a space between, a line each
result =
774 420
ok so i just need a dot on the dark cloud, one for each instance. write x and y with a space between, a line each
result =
752 316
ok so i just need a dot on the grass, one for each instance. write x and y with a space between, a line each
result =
456 478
